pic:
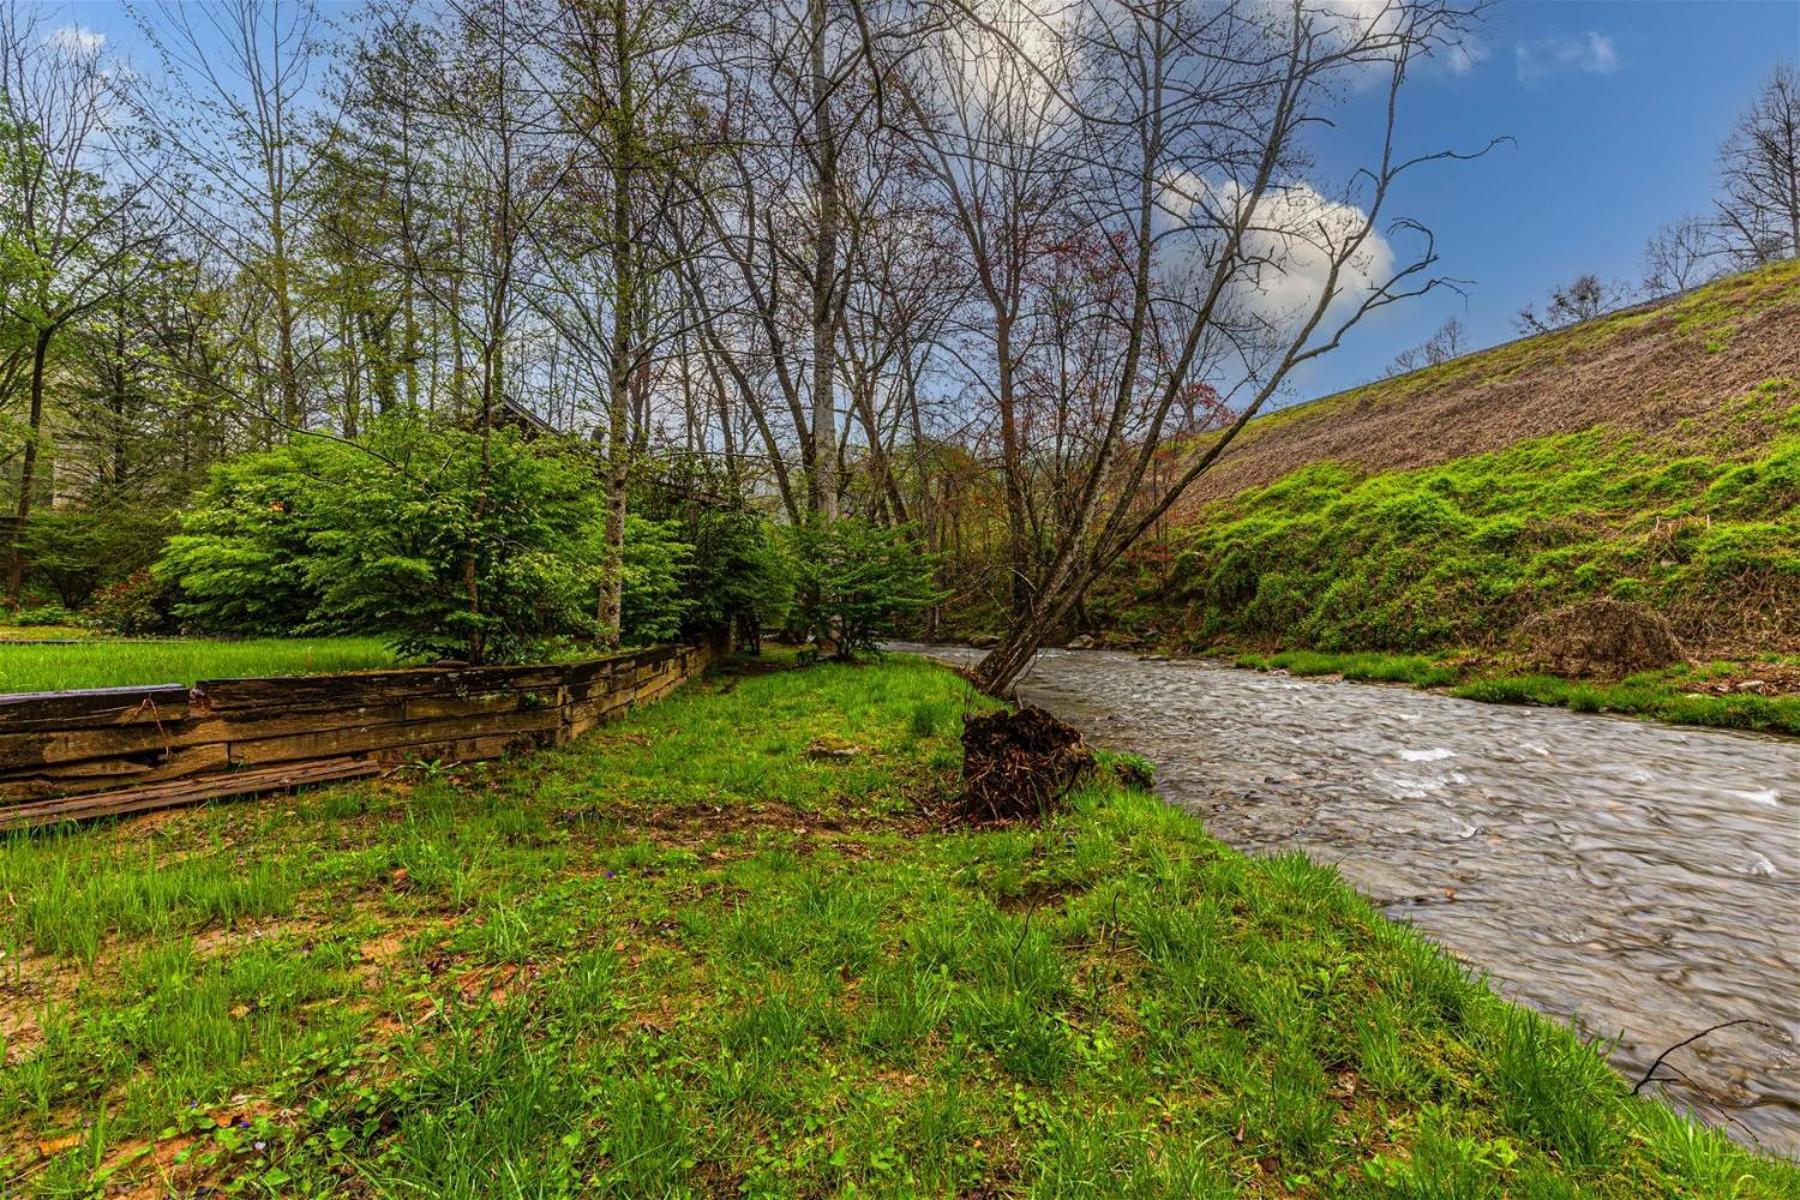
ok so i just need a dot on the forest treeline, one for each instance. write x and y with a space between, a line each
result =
407 275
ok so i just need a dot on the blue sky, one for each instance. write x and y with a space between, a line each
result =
1617 110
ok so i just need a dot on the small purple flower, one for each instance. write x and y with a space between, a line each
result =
609 875
261 1146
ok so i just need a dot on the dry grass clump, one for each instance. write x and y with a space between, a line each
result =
1605 638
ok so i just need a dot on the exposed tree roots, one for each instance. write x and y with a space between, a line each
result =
1018 766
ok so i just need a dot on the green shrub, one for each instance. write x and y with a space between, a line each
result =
860 581
240 560
740 574
137 605
48 614
73 552
656 559
409 534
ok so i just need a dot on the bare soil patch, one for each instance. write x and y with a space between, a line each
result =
1646 377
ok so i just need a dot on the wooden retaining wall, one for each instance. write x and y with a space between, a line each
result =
67 755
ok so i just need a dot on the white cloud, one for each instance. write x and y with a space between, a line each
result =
76 39
1461 57
1591 52
1000 70
1294 237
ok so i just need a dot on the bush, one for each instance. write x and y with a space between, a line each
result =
1599 637
740 574
656 560
73 552
135 606
240 560
48 614
859 581
319 536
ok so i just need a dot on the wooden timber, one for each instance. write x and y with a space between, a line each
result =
66 755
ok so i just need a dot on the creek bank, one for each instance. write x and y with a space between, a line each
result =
1636 878
1757 695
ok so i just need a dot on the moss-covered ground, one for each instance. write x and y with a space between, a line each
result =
726 948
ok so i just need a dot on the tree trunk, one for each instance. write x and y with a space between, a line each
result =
1001 666
15 549
619 372
824 283
1018 546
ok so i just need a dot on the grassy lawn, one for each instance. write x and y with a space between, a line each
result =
103 663
695 954
1683 695
42 633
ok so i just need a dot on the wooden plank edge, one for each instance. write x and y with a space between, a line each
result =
190 791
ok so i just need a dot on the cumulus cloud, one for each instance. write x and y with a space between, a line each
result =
1001 70
76 39
1461 57
1592 53
1294 236
1381 28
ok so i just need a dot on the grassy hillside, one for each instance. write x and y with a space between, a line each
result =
1460 553
692 956
1671 369
1652 456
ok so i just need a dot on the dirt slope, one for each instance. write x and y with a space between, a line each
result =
1667 368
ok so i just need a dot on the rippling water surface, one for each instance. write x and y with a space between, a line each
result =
1639 879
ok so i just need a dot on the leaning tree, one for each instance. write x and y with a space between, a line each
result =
1173 142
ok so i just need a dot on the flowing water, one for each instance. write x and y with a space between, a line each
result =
1640 880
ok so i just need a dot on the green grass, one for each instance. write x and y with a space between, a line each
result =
1665 695
1419 670
685 957
1460 554
104 663
40 633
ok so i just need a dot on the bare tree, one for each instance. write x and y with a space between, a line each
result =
466 80
1759 168
990 105
1450 341
1583 299
1214 263
237 78
1682 254
624 78
797 111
